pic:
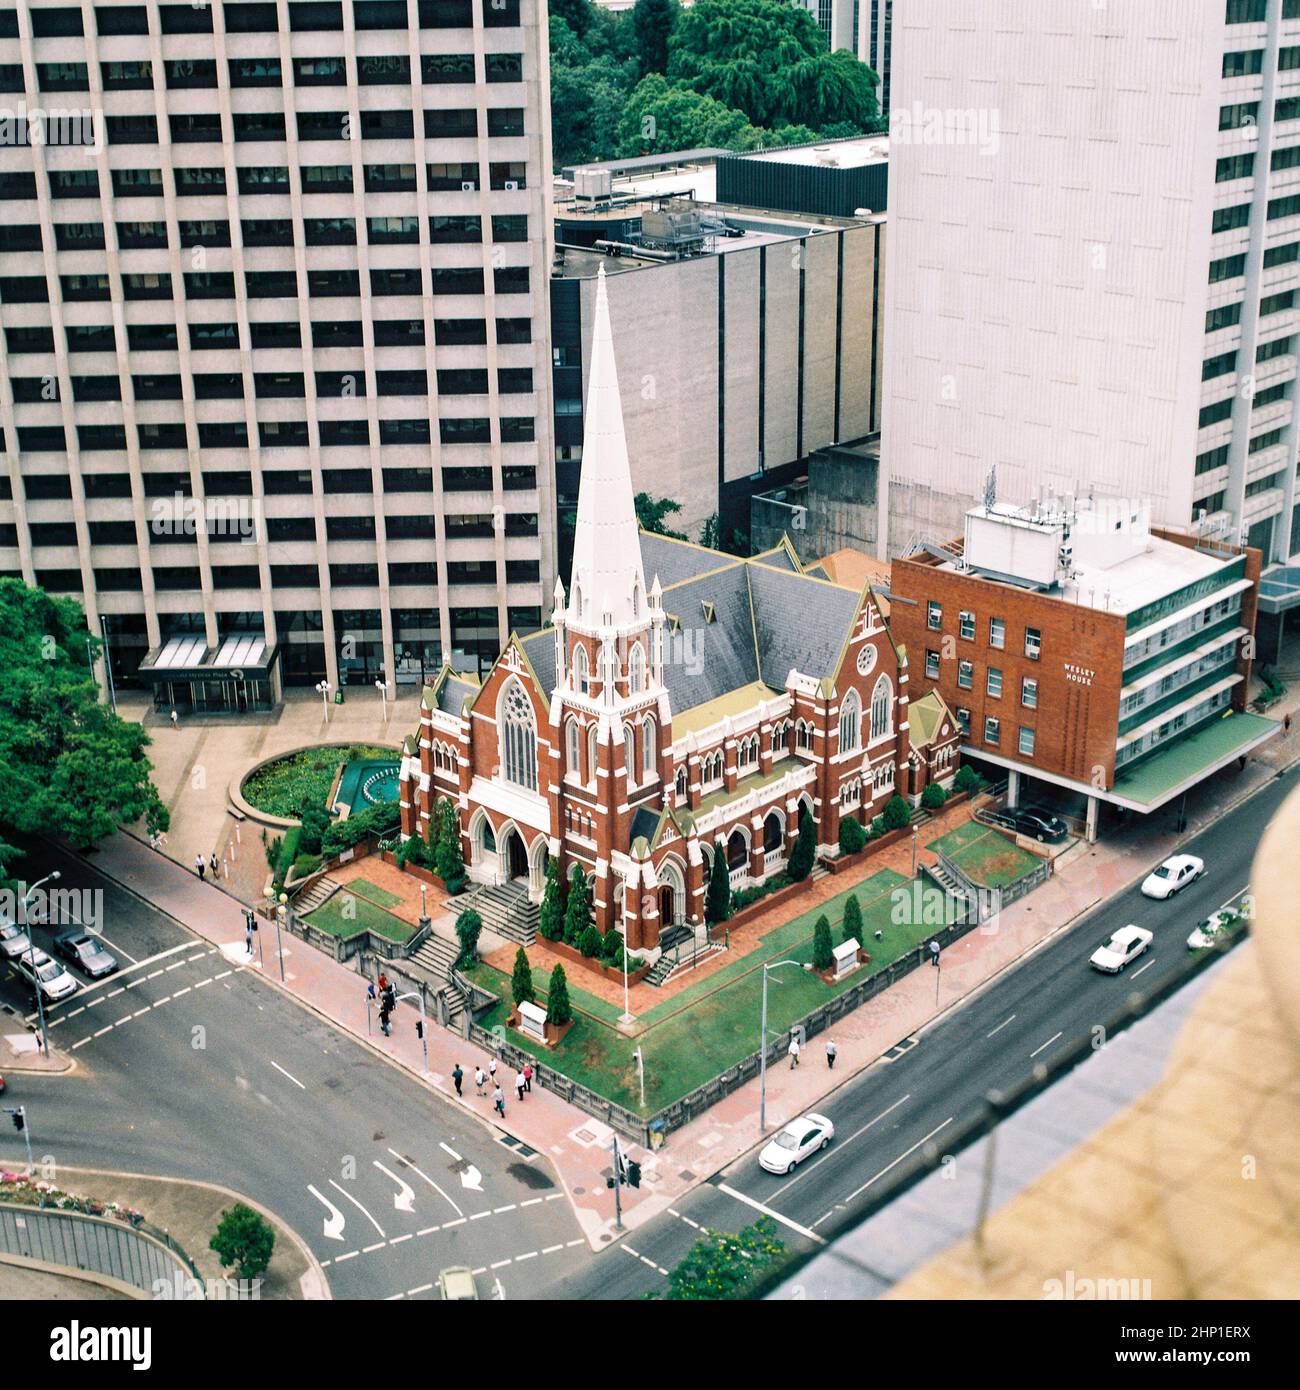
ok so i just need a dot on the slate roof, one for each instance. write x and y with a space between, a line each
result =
801 623
706 659
539 648
674 561
449 691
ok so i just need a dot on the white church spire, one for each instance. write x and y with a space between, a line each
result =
607 588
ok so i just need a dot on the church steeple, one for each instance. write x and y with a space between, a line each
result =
607 589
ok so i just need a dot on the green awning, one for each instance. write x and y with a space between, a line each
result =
1168 773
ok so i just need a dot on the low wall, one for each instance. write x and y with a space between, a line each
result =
634 977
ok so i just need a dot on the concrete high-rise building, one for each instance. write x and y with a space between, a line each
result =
276 351
863 27
1095 259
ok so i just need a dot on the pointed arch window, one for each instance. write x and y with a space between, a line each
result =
648 749
518 728
681 784
572 748
629 751
581 670
882 708
636 670
851 721
591 754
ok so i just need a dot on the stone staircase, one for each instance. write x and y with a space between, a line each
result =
819 870
437 958
505 910
950 884
317 892
687 963
680 953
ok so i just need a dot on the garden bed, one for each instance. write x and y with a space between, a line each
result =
594 963
281 785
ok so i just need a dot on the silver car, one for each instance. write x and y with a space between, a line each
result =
85 952
47 975
14 941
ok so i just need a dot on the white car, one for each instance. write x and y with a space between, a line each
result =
795 1142
48 975
1172 875
13 941
1125 945
1216 925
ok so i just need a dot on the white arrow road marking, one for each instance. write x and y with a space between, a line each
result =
500 1290
294 1079
358 1206
406 1162
404 1197
335 1222
469 1175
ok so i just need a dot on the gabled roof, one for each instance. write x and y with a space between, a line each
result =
648 825
449 691
925 717
674 560
801 623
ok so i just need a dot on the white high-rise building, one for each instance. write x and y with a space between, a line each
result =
286 262
1094 260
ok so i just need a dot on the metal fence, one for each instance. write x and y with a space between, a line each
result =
94 1244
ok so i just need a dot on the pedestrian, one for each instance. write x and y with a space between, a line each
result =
479 1079
793 1051
831 1051
934 954
176 720
370 990
499 1102
383 1020
457 1076
1286 726
200 866
383 982
528 1076
519 1086
492 1068
212 864
248 935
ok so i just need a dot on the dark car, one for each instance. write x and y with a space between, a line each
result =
1034 822
85 952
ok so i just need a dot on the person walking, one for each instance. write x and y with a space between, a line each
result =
528 1076
519 1086
480 1080
200 866
499 1102
831 1053
215 867
383 1019
176 720
793 1052
492 1068
383 982
248 935
457 1076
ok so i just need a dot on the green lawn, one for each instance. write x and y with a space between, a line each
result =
363 888
708 1027
985 856
346 914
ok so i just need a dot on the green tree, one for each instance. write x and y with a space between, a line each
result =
721 1266
244 1238
651 511
652 22
852 835
711 533
468 927
823 957
717 902
577 912
558 1009
315 821
448 860
521 980
933 797
805 848
590 942
897 813
967 779
852 927
661 116
70 765
579 15
550 916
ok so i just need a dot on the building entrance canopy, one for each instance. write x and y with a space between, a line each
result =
240 675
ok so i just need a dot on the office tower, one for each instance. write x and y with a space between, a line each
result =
276 349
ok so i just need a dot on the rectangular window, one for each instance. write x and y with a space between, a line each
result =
1225 316
1234 166
1215 413
1223 365
1033 643
1246 11
966 625
1231 219
1228 268
997 633
931 665
1246 63
933 616
1026 741
1243 113
1276 303
1288 254
993 682
965 674
992 730
1029 692
1286 206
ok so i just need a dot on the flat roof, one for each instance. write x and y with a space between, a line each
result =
851 153
1185 761
1279 589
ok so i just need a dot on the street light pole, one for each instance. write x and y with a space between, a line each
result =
20 1112
323 687
915 837
383 697
281 915
618 1188
640 1073
627 1010
762 1050
31 951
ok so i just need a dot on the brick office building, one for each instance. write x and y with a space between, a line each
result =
1082 649
653 726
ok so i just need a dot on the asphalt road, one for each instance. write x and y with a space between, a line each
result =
189 1065
935 1082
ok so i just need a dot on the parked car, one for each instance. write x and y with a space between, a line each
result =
47 975
1034 822
1127 944
1211 931
796 1141
457 1285
1173 874
14 941
85 952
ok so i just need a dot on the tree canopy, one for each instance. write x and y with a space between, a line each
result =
68 764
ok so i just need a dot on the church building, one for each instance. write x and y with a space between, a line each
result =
683 703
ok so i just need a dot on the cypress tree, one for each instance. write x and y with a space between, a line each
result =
717 903
577 914
805 849
558 1009
823 956
550 916
853 920
521 981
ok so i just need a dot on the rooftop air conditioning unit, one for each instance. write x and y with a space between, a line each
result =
512 185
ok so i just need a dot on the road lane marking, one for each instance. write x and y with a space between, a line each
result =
855 1135
378 1245
126 1018
145 1010
531 1202
358 1206
1147 966
282 1072
407 1163
551 1249
768 1211
179 992
82 1043
1000 1026
113 993
153 974
645 1259
1045 1046
888 1167
351 1255
102 1031
200 983
397 1240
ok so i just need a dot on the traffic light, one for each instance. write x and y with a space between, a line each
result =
19 1120
419 1028
633 1174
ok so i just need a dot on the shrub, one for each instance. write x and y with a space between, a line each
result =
852 835
611 944
590 942
468 926
823 956
315 822
717 902
805 849
305 865
374 820
521 981
577 914
934 796
244 1239
897 813
550 917
967 779
877 828
852 920
448 861
722 1266
272 847
558 1009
